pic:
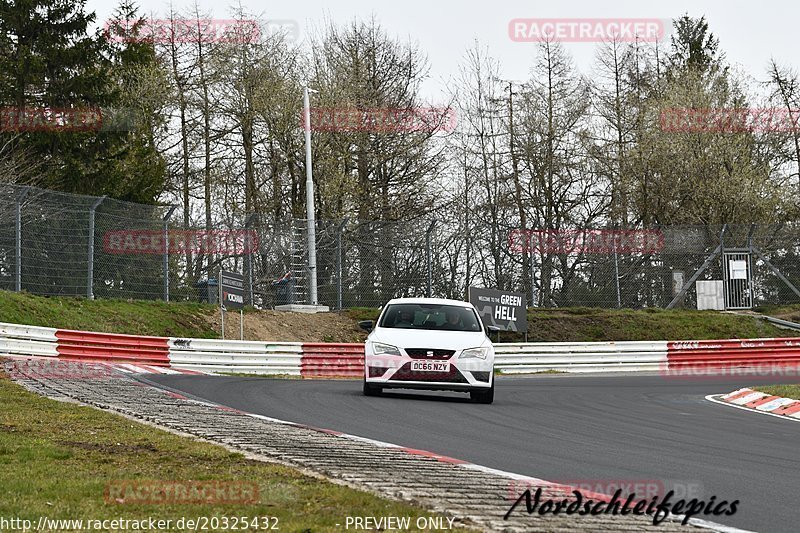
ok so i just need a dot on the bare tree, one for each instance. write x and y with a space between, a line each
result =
373 170
786 91
563 188
481 154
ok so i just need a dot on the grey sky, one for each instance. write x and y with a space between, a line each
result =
750 32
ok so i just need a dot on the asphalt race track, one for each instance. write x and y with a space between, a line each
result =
562 428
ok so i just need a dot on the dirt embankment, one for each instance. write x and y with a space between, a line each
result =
291 327
544 325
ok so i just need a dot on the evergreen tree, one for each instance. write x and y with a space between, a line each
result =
693 46
51 62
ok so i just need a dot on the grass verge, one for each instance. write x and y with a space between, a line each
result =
785 391
108 316
57 460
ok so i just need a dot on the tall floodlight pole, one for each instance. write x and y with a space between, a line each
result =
312 233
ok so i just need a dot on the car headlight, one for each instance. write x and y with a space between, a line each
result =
378 348
477 353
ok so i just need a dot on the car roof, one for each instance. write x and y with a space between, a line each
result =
440 301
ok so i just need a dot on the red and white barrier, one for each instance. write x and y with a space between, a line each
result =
112 348
681 358
140 353
780 356
329 359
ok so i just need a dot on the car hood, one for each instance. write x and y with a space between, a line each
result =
420 338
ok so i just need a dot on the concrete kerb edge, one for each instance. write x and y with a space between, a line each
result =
717 398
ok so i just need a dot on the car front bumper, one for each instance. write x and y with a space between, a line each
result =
394 372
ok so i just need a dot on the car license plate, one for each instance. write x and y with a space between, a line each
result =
430 366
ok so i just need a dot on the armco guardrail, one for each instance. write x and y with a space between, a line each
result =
771 355
781 323
112 348
27 340
347 360
324 359
630 356
247 357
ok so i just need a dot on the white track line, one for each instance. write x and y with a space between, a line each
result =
705 524
161 369
133 368
713 398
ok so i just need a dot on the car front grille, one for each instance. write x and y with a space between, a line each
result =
422 353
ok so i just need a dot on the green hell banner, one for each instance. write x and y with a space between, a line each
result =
500 310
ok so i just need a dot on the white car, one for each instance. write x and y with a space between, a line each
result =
429 343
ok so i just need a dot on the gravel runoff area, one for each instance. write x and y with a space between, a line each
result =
474 497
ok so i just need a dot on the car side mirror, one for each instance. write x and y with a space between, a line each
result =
490 329
366 325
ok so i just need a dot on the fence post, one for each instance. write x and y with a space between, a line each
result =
616 274
533 281
247 225
339 264
166 251
430 259
90 280
18 238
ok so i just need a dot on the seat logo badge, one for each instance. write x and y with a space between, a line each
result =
429 353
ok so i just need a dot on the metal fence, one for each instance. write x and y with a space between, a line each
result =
60 244
52 244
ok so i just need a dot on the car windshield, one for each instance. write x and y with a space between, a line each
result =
431 317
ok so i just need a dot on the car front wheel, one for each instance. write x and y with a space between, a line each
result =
482 395
372 390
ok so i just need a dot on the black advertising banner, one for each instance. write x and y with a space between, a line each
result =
231 288
501 310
